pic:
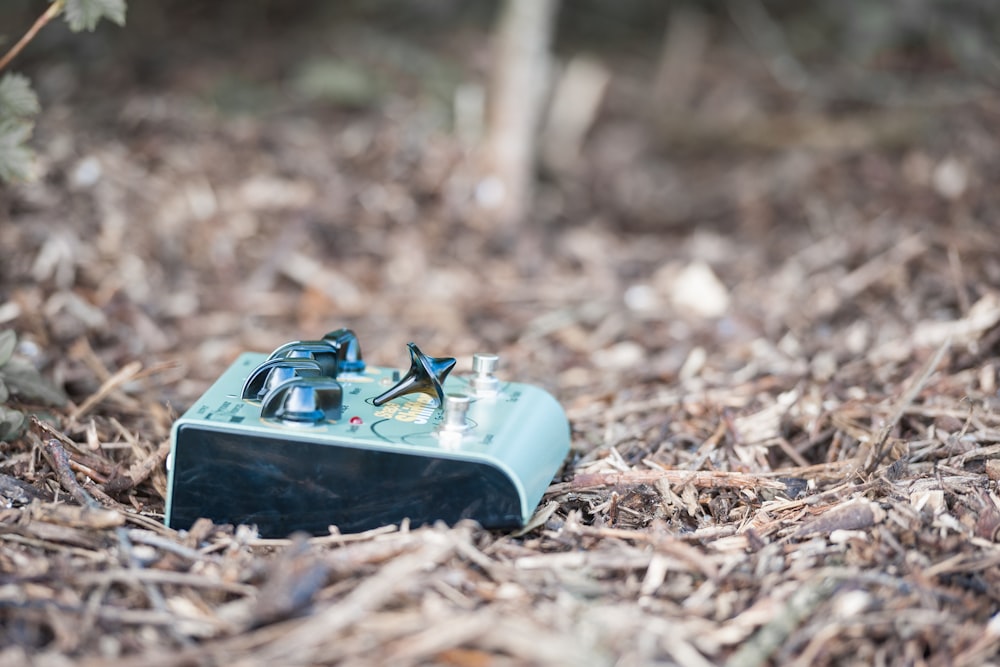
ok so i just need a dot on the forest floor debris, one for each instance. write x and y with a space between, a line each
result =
798 468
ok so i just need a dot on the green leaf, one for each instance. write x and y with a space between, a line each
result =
8 340
24 381
11 422
17 99
4 393
86 14
15 157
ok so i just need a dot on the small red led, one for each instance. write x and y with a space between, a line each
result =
355 421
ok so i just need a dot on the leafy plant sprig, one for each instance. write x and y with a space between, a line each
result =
18 103
20 379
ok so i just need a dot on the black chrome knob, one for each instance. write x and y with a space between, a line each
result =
273 372
348 350
426 376
323 351
304 401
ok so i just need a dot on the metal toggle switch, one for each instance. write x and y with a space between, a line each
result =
456 406
484 383
454 424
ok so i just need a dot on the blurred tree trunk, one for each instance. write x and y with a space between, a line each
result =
521 70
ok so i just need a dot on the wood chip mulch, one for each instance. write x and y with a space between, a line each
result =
786 426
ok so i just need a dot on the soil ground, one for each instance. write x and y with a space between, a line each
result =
773 320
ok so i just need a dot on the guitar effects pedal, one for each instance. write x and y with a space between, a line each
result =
311 437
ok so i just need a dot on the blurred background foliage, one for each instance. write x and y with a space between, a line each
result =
821 60
852 47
